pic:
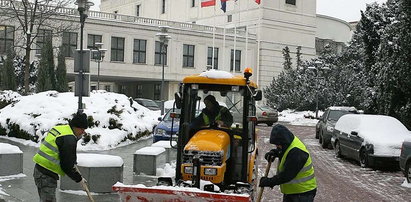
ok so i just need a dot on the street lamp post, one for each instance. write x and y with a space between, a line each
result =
164 38
101 53
317 68
82 6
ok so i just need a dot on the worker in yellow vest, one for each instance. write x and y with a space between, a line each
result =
295 172
213 113
57 156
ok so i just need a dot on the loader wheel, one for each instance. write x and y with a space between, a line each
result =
407 171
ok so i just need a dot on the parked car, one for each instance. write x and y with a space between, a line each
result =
163 130
373 140
150 104
405 159
266 115
326 123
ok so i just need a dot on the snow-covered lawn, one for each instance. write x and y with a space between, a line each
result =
301 118
114 119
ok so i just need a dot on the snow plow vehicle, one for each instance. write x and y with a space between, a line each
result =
214 162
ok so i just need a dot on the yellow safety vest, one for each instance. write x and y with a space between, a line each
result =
218 117
48 155
305 179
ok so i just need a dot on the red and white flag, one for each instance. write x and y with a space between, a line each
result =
258 1
205 3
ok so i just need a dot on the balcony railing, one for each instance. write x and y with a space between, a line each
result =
4 4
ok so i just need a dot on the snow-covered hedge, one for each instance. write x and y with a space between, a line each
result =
7 97
113 118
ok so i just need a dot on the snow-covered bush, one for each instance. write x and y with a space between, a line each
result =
113 118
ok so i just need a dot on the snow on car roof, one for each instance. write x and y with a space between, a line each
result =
375 129
342 108
216 74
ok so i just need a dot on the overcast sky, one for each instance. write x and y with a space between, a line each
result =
348 10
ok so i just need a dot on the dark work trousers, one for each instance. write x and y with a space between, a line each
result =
299 197
46 186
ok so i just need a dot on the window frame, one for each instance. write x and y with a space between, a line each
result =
5 38
188 55
138 6
291 2
115 50
91 46
41 39
158 59
163 6
237 68
69 48
157 92
210 55
139 52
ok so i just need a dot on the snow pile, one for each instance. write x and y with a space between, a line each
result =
406 184
169 170
98 160
302 118
216 74
384 132
150 151
9 149
9 96
113 118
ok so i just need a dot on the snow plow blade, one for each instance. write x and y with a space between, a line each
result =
131 193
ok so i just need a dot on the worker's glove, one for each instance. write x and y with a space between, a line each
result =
265 182
271 155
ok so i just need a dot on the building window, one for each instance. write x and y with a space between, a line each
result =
91 44
193 3
42 36
237 60
229 18
157 91
6 38
138 10
69 43
117 49
163 6
210 57
158 59
139 91
108 88
291 2
139 51
188 55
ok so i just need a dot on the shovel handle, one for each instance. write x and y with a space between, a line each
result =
260 193
85 187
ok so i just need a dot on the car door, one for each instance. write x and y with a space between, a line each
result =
354 142
323 121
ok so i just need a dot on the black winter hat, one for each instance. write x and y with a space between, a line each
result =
79 121
212 99
280 135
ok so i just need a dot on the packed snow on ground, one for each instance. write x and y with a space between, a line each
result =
384 132
150 151
6 178
406 184
164 144
216 74
36 114
9 149
98 160
302 118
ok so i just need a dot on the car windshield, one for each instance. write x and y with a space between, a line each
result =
335 115
148 103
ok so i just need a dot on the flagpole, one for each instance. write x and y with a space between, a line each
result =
246 38
235 38
259 41
212 58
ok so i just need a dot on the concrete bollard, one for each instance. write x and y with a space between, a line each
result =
100 171
11 160
148 159
171 153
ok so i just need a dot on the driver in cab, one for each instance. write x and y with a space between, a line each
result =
213 113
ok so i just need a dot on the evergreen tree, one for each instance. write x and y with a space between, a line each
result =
298 57
47 52
287 58
43 77
61 80
8 76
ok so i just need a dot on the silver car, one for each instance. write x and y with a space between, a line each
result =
266 115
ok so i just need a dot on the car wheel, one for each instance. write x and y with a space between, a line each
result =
324 143
408 171
270 124
364 158
337 149
320 138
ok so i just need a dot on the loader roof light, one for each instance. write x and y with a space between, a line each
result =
248 70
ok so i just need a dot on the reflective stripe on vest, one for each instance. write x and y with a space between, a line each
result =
207 120
305 179
48 154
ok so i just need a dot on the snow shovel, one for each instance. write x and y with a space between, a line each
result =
267 170
85 187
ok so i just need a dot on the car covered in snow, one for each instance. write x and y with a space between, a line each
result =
266 115
373 140
405 159
150 104
326 123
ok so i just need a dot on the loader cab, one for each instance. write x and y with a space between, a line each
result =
227 153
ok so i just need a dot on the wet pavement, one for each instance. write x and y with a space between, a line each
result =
24 189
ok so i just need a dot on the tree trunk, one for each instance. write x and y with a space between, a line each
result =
27 66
